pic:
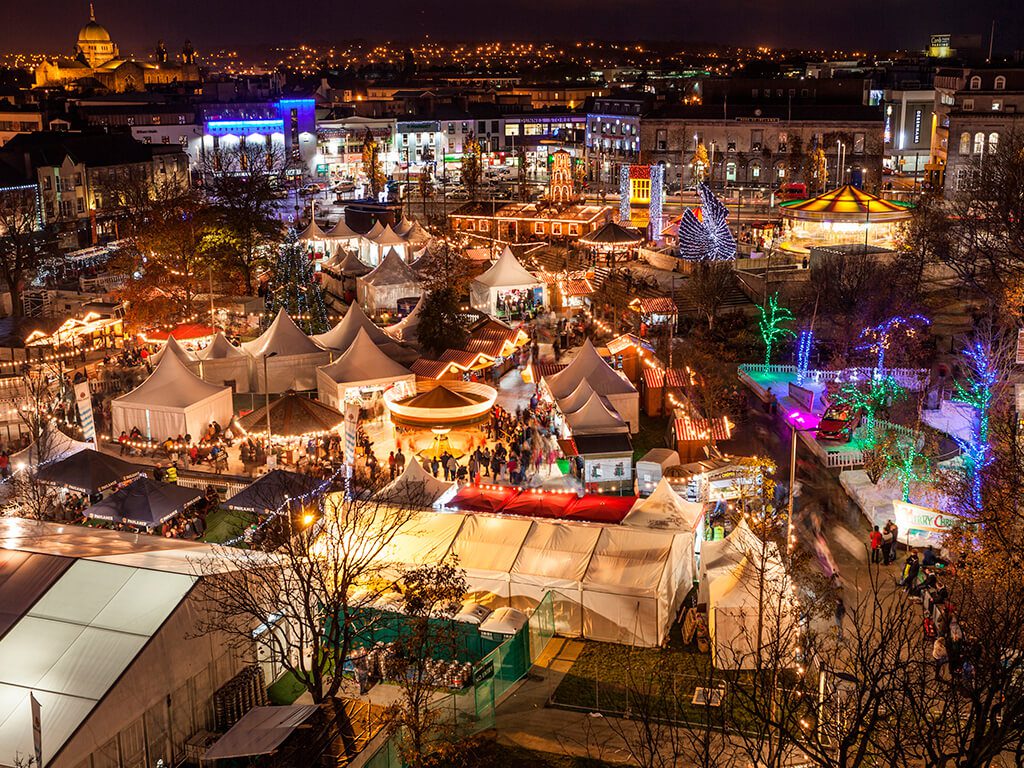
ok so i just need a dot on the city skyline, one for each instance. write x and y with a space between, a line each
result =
795 24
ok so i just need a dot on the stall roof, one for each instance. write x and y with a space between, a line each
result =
171 385
219 349
171 346
507 272
364 361
88 471
341 336
589 365
293 415
271 491
597 445
539 504
145 502
260 731
353 266
283 338
312 231
183 332
598 508
664 509
482 498
391 271
415 487
486 543
342 231
595 417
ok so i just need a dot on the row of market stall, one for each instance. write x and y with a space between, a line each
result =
403 237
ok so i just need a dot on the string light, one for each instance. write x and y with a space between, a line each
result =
773 316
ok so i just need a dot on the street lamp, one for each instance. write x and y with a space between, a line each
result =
266 394
793 418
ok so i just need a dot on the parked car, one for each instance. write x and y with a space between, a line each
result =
311 189
838 423
458 194
343 186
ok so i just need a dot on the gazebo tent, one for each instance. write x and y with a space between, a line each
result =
351 266
741 598
341 336
554 557
406 329
363 365
392 280
590 367
634 584
724 554
342 236
665 510
292 357
273 490
88 471
313 236
55 446
145 503
293 415
415 487
367 246
595 417
172 347
172 401
389 240
221 362
506 274
612 238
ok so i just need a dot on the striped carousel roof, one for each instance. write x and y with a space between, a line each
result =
846 204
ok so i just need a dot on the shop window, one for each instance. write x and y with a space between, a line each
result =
556 228
538 228
965 143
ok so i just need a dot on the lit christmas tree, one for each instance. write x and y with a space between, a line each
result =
294 289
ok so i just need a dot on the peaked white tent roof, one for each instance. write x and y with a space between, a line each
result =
391 271
595 417
577 398
283 337
414 487
405 329
364 361
726 553
389 237
341 336
171 385
588 365
219 349
402 227
312 232
352 265
342 231
374 232
507 272
664 509
174 348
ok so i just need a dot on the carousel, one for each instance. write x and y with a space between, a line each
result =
846 215
613 242
461 406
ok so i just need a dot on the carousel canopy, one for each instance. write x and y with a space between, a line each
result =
613 235
283 337
219 349
391 271
364 361
846 204
293 415
88 471
507 272
273 490
442 397
145 502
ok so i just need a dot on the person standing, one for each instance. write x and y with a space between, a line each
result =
399 462
887 538
451 467
876 545
391 465
894 542
840 616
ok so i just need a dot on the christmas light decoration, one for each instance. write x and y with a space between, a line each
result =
803 354
982 377
880 393
906 463
709 238
657 203
879 338
624 193
773 316
294 289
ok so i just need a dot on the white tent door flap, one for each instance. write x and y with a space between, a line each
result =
566 605
621 619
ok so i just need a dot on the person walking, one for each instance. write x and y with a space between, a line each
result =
451 467
876 545
391 465
887 539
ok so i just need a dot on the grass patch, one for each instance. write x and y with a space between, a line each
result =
286 690
650 435
225 524
484 751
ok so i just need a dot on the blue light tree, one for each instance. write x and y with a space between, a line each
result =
977 391
803 354
879 338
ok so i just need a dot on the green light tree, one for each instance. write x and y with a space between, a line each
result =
774 316
293 288
878 394
906 463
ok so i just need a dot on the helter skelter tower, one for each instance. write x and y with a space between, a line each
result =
560 187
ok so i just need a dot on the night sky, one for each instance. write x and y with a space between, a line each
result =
29 25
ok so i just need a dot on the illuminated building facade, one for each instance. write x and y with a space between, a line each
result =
287 127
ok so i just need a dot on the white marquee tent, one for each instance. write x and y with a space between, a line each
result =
589 366
723 554
363 365
221 362
406 329
392 280
172 401
416 487
506 274
341 236
172 347
291 357
595 417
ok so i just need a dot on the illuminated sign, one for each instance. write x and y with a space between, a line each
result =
920 526
244 127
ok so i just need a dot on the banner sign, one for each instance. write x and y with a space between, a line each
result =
83 398
920 526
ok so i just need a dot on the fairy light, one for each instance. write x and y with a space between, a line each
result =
879 338
771 324
982 378
803 354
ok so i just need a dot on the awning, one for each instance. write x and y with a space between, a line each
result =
260 731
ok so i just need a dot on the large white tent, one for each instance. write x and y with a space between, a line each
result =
406 328
589 366
172 347
723 554
361 367
392 280
172 401
341 336
665 510
751 594
291 357
487 548
221 362
341 236
416 487
595 417
505 275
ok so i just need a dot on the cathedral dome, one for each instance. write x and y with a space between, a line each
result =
94 32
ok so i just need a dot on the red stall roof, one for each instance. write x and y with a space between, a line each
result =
482 498
594 508
539 504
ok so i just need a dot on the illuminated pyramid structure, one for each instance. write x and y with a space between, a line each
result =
560 188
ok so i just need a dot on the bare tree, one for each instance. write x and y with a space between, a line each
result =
707 288
22 241
431 597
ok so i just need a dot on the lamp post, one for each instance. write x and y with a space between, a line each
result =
793 419
266 395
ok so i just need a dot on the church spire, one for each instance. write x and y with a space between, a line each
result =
92 12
